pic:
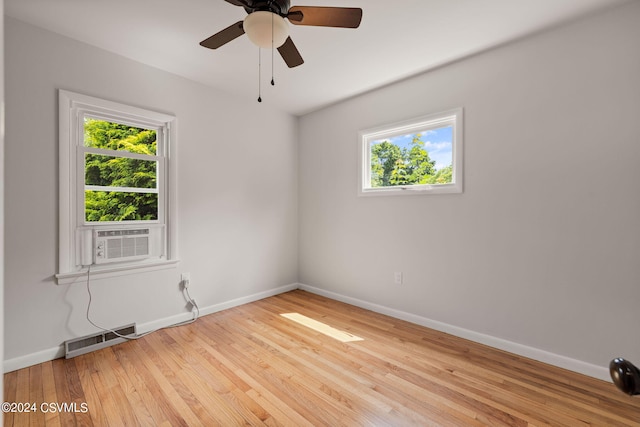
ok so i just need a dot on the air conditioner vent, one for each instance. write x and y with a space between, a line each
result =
127 244
127 247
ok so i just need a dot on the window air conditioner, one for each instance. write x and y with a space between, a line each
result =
121 244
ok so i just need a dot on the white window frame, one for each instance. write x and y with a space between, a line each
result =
72 109
452 118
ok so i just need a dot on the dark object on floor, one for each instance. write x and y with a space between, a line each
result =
625 376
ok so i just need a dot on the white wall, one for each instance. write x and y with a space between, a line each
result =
237 193
542 248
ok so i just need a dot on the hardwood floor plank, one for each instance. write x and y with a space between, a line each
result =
22 396
36 394
49 394
248 365
10 388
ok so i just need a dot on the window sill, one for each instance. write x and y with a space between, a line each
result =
106 271
411 190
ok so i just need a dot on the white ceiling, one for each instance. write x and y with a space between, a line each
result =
397 39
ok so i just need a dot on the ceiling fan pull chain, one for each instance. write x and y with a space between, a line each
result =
273 83
259 72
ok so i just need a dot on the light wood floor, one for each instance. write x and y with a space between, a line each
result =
250 366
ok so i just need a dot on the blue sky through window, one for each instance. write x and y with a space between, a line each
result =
437 142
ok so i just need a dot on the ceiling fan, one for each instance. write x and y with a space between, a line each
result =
266 27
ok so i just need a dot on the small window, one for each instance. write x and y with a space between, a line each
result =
420 156
116 187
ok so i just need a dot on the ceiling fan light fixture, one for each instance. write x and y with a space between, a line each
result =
259 25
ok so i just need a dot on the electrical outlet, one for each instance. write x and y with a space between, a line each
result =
185 278
397 277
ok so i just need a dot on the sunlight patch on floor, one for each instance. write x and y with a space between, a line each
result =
322 327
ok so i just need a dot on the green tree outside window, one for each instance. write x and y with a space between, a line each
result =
392 165
125 174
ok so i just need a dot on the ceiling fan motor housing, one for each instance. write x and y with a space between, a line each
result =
280 7
266 25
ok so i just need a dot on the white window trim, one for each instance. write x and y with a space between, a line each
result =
365 137
71 106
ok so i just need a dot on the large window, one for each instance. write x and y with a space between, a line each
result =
420 156
115 187
121 167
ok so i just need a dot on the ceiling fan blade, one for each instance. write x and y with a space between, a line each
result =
242 3
223 37
290 54
342 17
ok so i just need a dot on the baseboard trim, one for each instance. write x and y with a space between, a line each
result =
33 359
564 362
247 299
47 355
